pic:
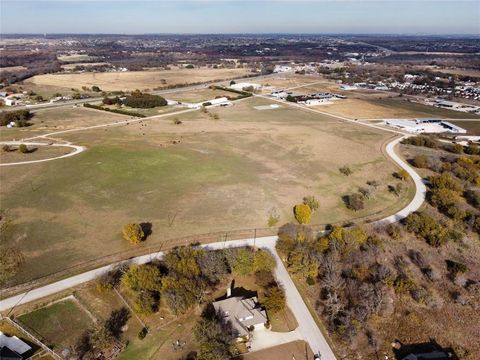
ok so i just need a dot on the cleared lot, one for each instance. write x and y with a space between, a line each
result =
131 80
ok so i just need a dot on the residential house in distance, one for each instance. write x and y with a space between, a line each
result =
245 314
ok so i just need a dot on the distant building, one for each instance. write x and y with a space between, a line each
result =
242 86
214 102
245 314
427 125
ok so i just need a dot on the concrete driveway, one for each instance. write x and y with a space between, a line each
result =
264 338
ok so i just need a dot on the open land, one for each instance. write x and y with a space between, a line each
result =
221 175
61 323
128 81
35 153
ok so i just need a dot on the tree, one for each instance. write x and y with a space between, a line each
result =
302 213
142 277
291 98
311 202
274 299
213 265
133 233
96 88
263 261
145 303
214 335
23 148
182 261
243 263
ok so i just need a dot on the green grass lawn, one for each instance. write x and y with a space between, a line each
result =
60 324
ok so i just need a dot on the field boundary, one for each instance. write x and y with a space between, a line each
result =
33 337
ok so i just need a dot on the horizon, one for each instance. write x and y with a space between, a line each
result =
364 17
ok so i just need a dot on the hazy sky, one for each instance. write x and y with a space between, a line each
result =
241 16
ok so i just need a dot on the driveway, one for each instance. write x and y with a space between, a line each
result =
264 338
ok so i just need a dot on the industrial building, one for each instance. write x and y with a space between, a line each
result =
425 125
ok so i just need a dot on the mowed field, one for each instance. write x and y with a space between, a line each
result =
220 175
131 80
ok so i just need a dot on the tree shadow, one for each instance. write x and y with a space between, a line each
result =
147 229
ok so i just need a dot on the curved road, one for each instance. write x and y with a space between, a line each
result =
76 150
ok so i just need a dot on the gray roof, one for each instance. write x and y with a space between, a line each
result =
13 343
242 313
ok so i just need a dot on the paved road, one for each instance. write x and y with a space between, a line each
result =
76 150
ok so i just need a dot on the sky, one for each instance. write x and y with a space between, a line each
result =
241 16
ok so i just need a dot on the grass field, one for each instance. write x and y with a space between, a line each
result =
60 118
131 80
221 175
60 324
36 153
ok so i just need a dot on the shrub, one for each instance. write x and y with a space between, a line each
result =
274 299
445 180
263 261
354 202
302 213
402 174
456 267
23 149
273 219
425 226
6 148
311 202
454 148
345 170
96 88
133 233
142 333
420 161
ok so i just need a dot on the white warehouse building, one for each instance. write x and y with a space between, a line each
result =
427 125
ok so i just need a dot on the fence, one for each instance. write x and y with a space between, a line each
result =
165 245
31 336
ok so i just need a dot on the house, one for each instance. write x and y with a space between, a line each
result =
11 347
245 314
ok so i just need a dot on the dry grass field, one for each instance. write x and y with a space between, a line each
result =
35 153
60 118
221 175
131 80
